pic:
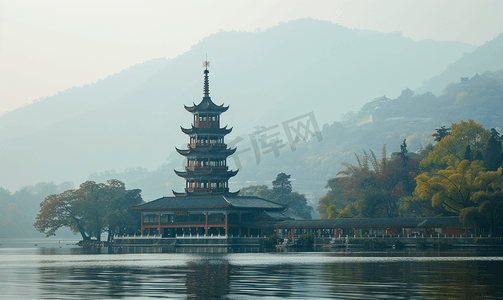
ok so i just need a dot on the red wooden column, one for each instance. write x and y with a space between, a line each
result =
226 224
142 228
475 231
206 226
239 214
159 232
466 232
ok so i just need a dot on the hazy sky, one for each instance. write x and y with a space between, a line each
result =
49 46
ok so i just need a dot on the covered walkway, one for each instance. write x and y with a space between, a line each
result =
399 227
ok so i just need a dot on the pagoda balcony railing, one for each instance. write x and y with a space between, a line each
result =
206 190
199 167
192 145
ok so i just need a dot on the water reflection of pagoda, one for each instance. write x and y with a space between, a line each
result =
206 207
206 172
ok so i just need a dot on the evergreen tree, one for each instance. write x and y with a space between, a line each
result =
441 133
493 152
281 186
468 153
281 193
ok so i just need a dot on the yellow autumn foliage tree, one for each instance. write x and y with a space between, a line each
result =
453 188
488 202
451 149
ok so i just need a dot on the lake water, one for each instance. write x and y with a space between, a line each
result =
49 269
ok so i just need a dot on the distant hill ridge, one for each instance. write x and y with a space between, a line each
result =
487 57
132 118
76 101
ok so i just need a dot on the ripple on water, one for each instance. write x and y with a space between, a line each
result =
59 274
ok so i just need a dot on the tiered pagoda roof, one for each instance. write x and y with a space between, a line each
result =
208 151
198 130
207 105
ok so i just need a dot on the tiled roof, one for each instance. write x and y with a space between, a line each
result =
199 130
272 216
219 201
206 105
253 202
208 151
290 214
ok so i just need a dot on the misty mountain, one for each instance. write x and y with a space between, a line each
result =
65 105
487 57
132 119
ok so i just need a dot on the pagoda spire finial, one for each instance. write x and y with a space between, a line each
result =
206 90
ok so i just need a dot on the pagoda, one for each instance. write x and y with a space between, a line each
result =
206 207
206 172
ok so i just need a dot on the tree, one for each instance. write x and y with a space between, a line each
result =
90 210
58 211
412 206
466 190
281 193
120 222
254 190
281 186
468 153
298 203
487 201
451 148
493 151
376 185
407 93
372 187
441 133
451 189
334 200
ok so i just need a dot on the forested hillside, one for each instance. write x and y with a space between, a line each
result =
486 57
19 209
